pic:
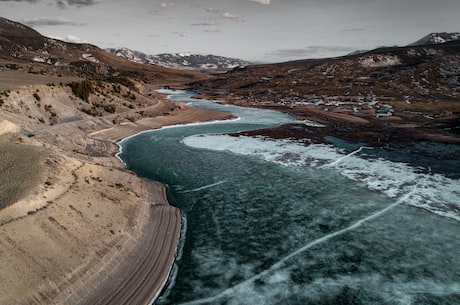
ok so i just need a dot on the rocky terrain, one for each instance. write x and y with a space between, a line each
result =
388 94
188 61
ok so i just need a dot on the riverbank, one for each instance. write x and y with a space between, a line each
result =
401 125
85 230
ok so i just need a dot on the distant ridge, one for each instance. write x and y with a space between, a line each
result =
417 77
23 48
190 61
430 39
16 38
436 38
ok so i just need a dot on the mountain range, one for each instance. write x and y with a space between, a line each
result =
427 72
436 38
433 38
182 60
208 62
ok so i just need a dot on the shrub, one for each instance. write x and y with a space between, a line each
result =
110 108
116 88
89 111
12 66
82 89
122 81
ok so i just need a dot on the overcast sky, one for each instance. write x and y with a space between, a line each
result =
255 30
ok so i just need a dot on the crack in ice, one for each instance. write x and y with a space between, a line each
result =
230 291
346 156
205 187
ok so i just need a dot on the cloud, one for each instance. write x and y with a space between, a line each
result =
229 16
181 34
265 2
312 52
51 21
157 13
354 30
211 10
77 3
54 37
166 5
83 2
68 38
206 23
74 39
31 1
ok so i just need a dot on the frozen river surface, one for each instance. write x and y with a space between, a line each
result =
276 222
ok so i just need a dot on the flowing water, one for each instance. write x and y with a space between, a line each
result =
276 222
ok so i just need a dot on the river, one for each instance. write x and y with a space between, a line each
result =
277 222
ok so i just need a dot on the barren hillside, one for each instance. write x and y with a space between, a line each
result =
391 89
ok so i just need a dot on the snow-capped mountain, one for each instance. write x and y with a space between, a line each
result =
181 60
436 38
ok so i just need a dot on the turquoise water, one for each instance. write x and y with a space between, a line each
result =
275 222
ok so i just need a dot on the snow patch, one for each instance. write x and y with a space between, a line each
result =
39 59
90 57
376 61
45 60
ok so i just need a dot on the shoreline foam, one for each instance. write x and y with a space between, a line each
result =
439 194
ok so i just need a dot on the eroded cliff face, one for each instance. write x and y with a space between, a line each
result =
67 217
74 223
